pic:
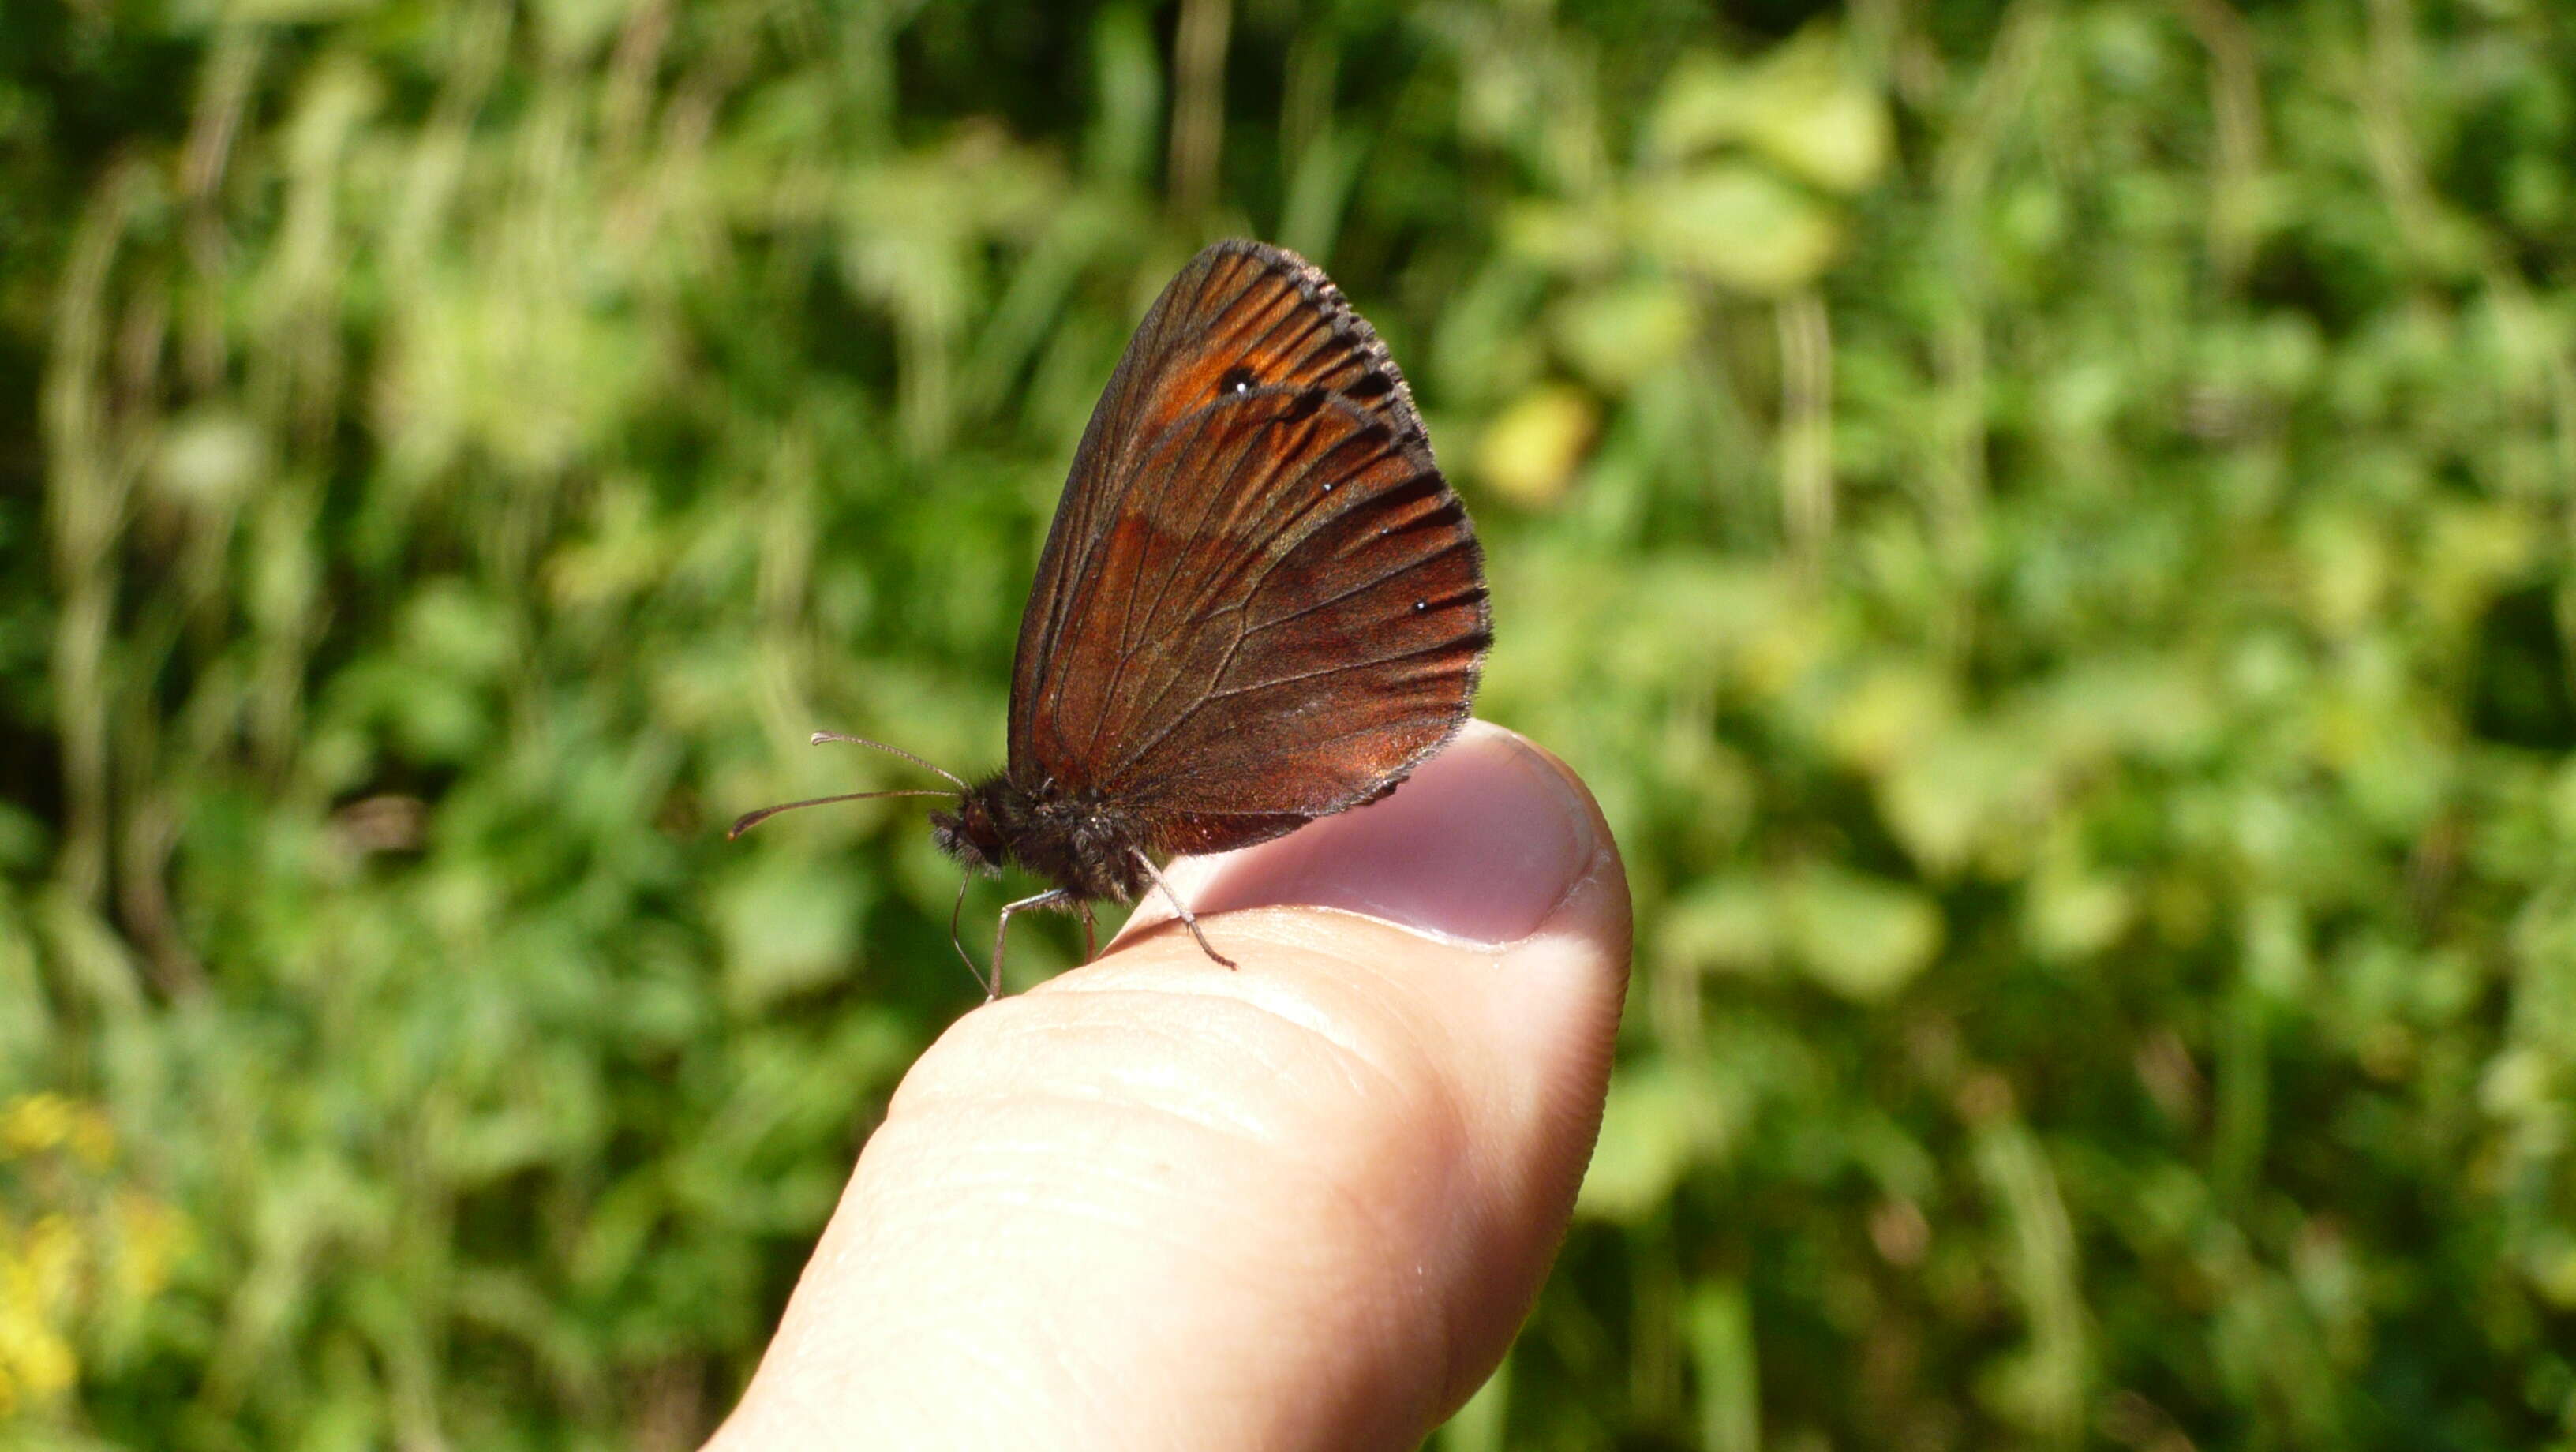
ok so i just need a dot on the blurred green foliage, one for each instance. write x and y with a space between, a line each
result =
2048 524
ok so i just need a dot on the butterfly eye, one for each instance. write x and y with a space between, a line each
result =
1237 379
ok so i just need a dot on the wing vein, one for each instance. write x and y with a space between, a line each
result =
1212 697
1406 568
1129 646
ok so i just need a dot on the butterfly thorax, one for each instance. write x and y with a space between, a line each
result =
1073 842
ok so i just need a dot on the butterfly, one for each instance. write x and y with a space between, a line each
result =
1260 603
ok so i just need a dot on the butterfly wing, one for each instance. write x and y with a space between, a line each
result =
1260 602
1240 314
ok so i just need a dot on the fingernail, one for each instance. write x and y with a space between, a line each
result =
1481 843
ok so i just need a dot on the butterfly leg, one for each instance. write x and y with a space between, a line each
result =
1090 935
1188 919
955 914
1054 897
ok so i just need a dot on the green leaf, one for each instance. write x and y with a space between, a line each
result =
1862 937
1737 225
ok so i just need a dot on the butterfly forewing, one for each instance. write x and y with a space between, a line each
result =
1260 603
1240 315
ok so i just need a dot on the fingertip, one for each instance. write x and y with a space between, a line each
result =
1485 903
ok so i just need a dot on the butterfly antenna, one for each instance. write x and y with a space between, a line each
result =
749 820
820 737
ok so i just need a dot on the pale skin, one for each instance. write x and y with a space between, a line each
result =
1306 1203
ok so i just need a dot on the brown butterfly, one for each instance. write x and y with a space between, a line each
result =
1260 603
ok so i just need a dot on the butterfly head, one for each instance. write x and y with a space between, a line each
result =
974 833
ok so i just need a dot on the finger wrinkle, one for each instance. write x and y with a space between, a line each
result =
1430 1134
1107 1064
1256 987
1397 1141
1316 1024
1040 1154
1208 1034
1155 1067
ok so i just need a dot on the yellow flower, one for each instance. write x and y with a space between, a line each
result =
91 1137
33 1123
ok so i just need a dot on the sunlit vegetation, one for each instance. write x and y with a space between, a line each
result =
2048 525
